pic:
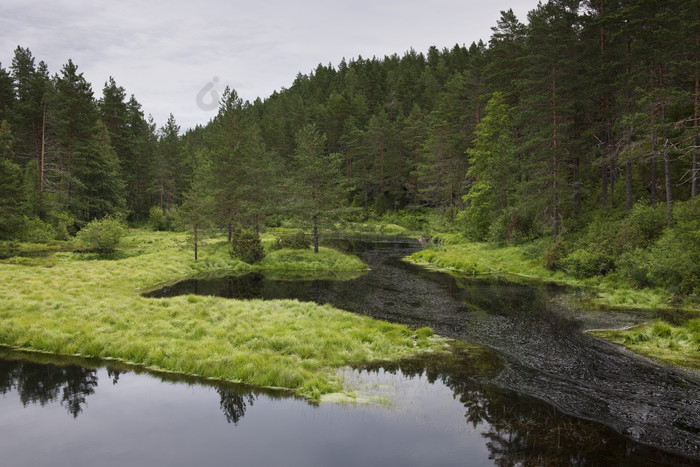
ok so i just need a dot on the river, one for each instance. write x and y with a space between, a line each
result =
535 390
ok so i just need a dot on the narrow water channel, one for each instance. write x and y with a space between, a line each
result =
537 390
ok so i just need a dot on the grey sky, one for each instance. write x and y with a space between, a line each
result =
165 52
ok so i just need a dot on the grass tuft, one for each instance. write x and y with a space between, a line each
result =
94 308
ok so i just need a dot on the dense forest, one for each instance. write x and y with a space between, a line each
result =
559 127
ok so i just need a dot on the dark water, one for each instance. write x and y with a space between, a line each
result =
73 413
539 391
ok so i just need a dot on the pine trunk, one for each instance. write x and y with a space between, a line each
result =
667 170
196 243
652 188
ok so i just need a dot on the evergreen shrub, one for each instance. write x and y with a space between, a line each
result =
246 246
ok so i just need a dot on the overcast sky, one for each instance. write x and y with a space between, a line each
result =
168 52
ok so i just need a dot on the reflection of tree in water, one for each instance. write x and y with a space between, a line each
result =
234 405
70 385
519 430
46 383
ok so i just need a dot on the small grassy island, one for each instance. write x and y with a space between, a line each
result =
86 304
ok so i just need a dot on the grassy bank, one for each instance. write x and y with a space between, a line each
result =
675 345
85 304
610 291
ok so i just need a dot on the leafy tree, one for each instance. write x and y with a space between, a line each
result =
101 235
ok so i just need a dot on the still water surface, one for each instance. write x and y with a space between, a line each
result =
539 391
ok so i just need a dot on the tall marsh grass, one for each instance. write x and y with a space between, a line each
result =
63 304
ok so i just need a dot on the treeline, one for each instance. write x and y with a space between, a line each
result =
68 157
590 106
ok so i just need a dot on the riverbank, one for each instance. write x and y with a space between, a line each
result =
84 304
677 344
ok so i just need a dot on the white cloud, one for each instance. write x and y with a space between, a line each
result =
164 52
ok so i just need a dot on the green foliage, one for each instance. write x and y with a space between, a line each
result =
94 311
515 226
64 225
585 263
642 226
101 235
672 344
38 231
553 255
11 195
156 218
673 261
246 246
424 333
296 241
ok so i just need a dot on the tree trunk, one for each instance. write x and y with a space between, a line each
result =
555 160
604 181
195 241
315 222
694 183
667 170
628 184
577 187
652 188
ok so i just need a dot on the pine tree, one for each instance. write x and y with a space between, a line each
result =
74 116
195 213
314 193
491 167
11 198
98 184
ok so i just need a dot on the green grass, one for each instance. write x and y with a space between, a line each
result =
297 260
609 291
76 304
675 345
661 341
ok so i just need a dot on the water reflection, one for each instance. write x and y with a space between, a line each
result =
542 344
45 380
45 384
514 429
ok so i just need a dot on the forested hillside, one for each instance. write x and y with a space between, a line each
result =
553 128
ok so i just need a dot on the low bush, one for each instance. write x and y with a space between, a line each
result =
102 235
643 225
160 220
38 231
585 263
553 254
246 246
295 241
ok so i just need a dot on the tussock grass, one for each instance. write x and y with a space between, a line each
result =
661 341
676 345
65 305
325 260
609 291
